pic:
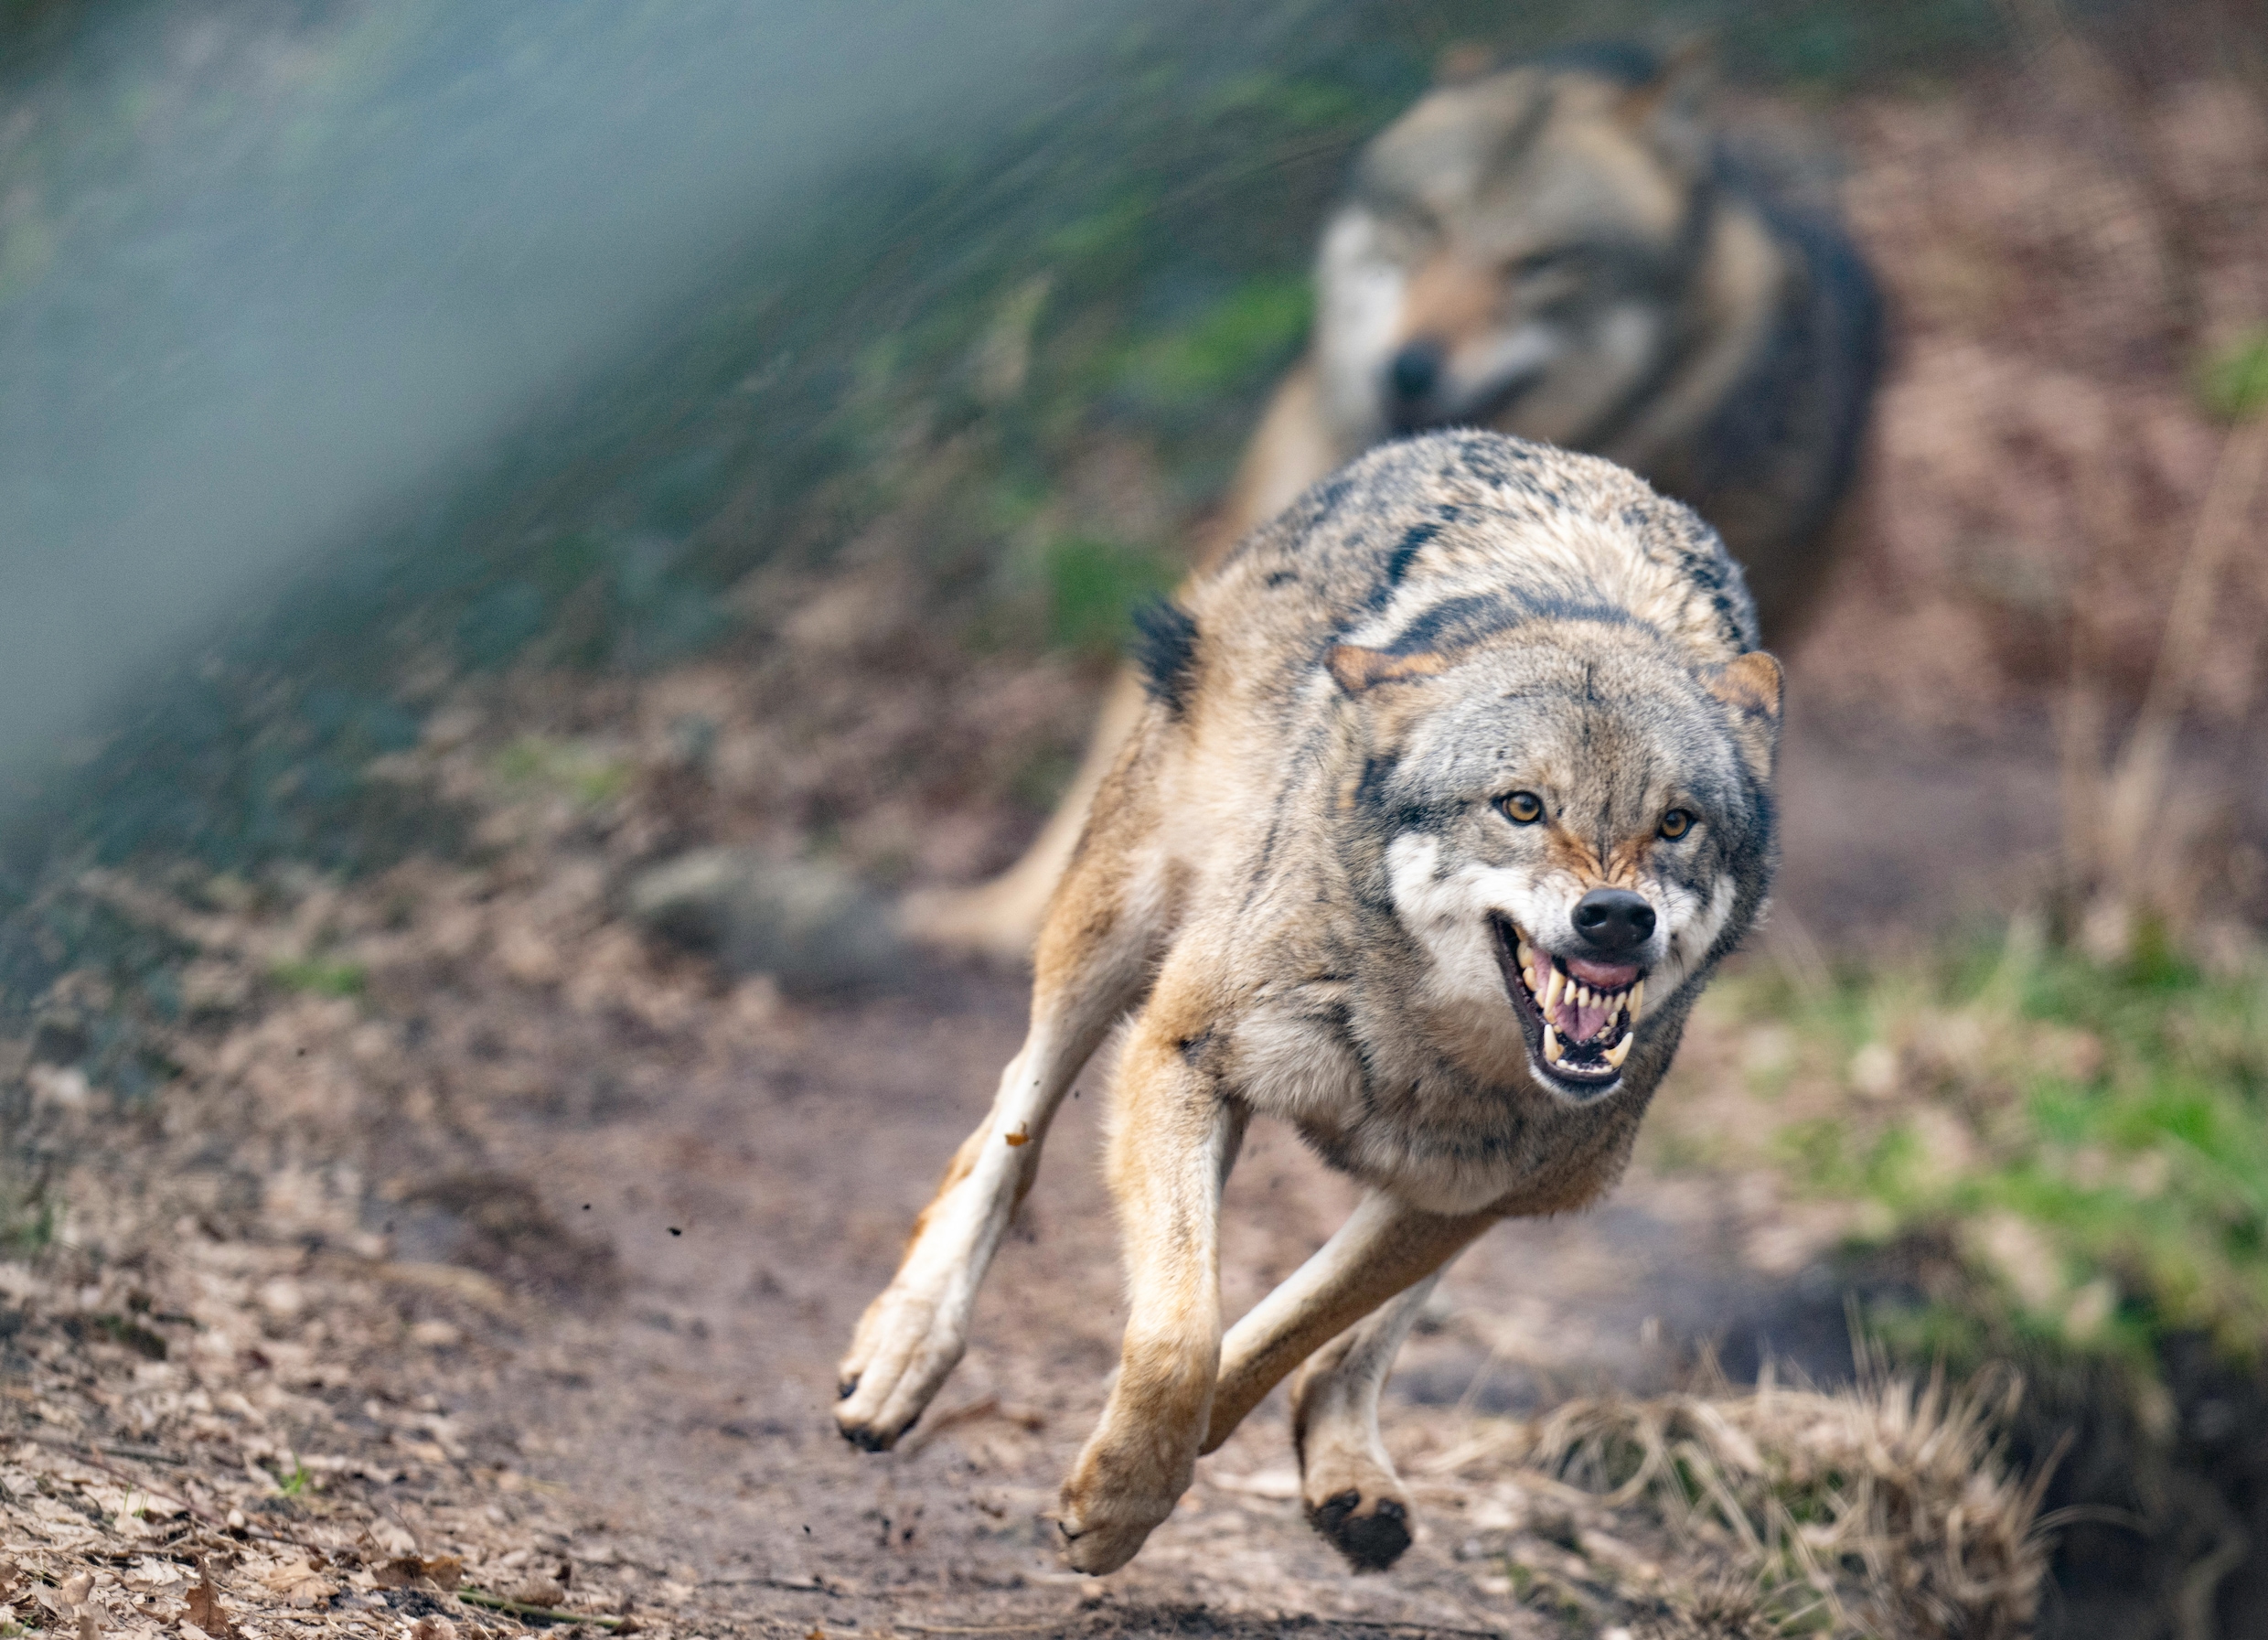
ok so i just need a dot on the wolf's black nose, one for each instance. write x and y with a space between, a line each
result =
1614 919
1415 370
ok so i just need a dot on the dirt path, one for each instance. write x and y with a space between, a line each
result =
755 1207
541 1249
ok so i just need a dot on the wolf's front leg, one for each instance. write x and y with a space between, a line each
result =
913 1334
1385 1248
1092 964
1176 1138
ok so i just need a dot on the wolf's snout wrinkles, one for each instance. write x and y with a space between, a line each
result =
1614 919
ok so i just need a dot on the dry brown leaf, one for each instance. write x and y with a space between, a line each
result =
432 1627
446 1571
300 1585
540 1591
205 1611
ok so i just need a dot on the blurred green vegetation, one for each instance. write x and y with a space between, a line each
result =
2234 384
319 977
2088 1143
582 772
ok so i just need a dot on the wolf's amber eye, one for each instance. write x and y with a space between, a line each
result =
1522 808
1676 824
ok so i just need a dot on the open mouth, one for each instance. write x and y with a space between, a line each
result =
1580 1016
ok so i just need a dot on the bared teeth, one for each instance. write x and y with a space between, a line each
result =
1621 1050
1551 988
1551 1045
1638 997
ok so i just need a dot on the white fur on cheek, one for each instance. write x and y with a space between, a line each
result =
1692 928
1629 336
1448 913
1360 289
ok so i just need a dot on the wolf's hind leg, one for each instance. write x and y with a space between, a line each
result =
1093 965
1347 1481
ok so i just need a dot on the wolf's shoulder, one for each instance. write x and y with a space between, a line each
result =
1430 540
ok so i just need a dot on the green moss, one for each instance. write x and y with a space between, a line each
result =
320 977
27 1222
1093 585
1247 335
2234 381
572 770
2091 1141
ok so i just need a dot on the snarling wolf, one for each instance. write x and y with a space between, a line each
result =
1450 787
1564 250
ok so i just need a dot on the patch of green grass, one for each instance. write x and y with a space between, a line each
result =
1248 334
2091 1141
580 772
1093 585
320 977
2234 381
294 1482
27 1220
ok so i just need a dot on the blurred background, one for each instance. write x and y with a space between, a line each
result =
454 459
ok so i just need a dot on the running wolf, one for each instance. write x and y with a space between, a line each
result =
1449 788
1563 251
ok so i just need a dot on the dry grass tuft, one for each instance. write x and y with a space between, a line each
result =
1886 1509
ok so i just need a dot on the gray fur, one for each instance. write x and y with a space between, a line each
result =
1582 669
1495 172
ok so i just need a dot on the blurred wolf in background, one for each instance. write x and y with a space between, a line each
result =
1563 250
1450 787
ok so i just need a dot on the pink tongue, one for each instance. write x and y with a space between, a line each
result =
1581 1024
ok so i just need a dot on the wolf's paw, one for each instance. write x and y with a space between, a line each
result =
905 1349
1347 1481
1371 1528
1111 1503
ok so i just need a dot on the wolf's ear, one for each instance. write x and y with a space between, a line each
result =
1750 688
1358 669
1668 110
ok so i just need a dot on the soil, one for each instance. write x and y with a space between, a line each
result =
544 1248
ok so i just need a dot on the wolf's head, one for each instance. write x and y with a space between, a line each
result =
1573 824
1513 253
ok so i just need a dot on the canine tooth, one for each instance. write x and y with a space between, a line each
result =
1620 1051
1551 988
1638 997
1551 1044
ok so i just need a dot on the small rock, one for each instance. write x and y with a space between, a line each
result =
813 927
